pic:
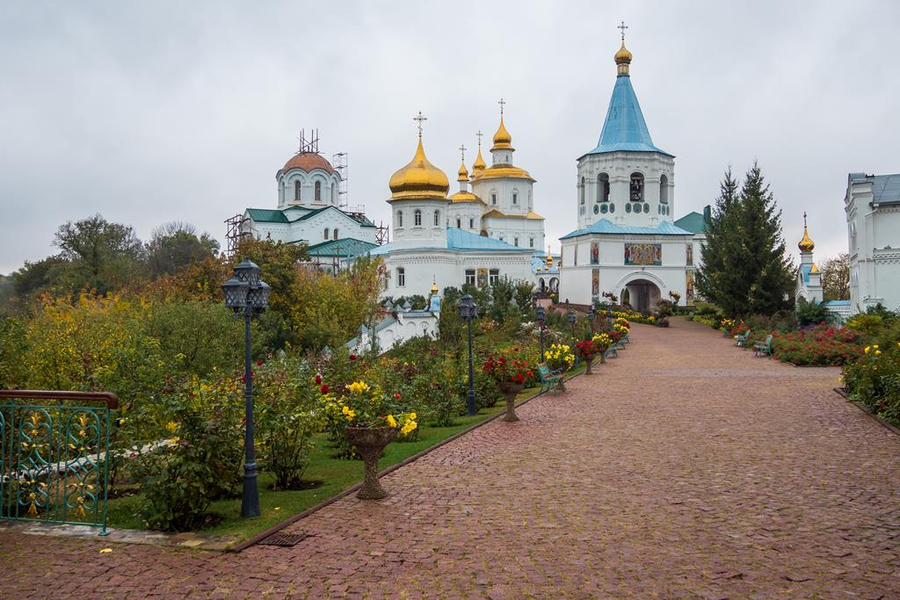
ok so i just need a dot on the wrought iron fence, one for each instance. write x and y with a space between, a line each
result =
54 449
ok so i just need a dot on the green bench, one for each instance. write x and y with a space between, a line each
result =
611 351
742 338
548 378
763 348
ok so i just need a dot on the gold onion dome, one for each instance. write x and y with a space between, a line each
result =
479 165
419 179
623 56
463 173
549 260
434 287
806 244
502 139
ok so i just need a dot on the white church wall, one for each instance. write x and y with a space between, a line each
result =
409 235
504 189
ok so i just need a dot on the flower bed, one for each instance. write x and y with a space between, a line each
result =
818 345
874 380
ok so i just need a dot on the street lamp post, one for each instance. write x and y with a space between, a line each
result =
247 296
571 317
591 314
541 317
468 311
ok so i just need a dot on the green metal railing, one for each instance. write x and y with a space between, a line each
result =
53 456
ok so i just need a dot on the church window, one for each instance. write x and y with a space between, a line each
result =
470 276
458 223
332 194
531 242
326 233
516 242
637 187
575 257
602 187
515 198
401 277
318 191
471 223
298 187
493 198
437 218
399 218
663 189
335 234
582 193
417 218
493 276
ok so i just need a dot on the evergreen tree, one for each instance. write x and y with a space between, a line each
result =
744 269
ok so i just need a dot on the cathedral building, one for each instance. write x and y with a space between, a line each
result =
472 237
627 242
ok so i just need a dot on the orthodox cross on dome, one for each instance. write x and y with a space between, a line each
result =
622 28
419 118
502 103
478 135
804 219
462 151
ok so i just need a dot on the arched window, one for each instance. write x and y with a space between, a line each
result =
582 190
335 234
417 218
318 191
602 187
663 189
401 277
399 218
326 233
458 223
637 187
437 218
515 198
471 223
333 199
493 198
298 190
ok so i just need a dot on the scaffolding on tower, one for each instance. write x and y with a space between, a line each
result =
382 234
235 232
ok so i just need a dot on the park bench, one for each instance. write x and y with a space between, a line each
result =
548 378
763 348
742 338
611 351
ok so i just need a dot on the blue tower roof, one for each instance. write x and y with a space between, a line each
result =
625 129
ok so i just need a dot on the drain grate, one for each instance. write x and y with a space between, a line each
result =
283 539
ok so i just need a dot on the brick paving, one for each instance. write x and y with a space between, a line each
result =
684 469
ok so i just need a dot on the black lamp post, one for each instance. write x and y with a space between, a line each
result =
541 317
571 317
247 296
592 313
468 311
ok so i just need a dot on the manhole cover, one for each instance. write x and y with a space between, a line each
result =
283 539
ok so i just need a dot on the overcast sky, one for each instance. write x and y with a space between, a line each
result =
149 112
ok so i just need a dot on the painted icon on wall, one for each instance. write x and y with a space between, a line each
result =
595 253
482 277
643 254
595 282
689 287
689 253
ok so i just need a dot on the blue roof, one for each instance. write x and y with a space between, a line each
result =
838 303
625 129
804 270
605 226
885 188
461 241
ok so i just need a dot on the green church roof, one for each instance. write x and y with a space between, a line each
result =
693 222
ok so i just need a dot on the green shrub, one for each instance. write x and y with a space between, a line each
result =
812 313
200 457
874 379
869 324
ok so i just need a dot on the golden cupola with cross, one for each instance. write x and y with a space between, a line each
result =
419 179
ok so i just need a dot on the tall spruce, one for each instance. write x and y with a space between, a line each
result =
744 268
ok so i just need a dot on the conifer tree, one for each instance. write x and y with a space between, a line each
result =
744 269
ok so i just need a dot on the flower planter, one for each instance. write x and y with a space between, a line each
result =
588 359
370 441
510 390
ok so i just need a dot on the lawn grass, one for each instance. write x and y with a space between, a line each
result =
335 474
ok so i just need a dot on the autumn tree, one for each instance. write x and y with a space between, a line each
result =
836 278
98 254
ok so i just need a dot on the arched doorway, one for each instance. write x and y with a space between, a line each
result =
643 294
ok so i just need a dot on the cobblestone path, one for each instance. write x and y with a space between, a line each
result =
686 468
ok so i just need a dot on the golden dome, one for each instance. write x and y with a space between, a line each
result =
419 179
479 165
623 56
549 260
434 287
466 196
502 139
806 244
463 173
503 171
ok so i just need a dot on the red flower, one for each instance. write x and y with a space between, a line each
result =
259 363
397 395
318 379
324 389
352 357
529 373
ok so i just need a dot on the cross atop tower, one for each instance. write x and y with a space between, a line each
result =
622 28
462 151
804 218
478 135
502 103
419 118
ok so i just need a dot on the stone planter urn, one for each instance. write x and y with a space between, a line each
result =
588 359
370 441
510 390
603 355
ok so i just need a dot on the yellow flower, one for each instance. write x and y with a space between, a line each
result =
875 346
171 426
412 416
408 428
391 421
877 352
358 387
868 349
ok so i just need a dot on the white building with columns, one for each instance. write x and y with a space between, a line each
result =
626 242
872 206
